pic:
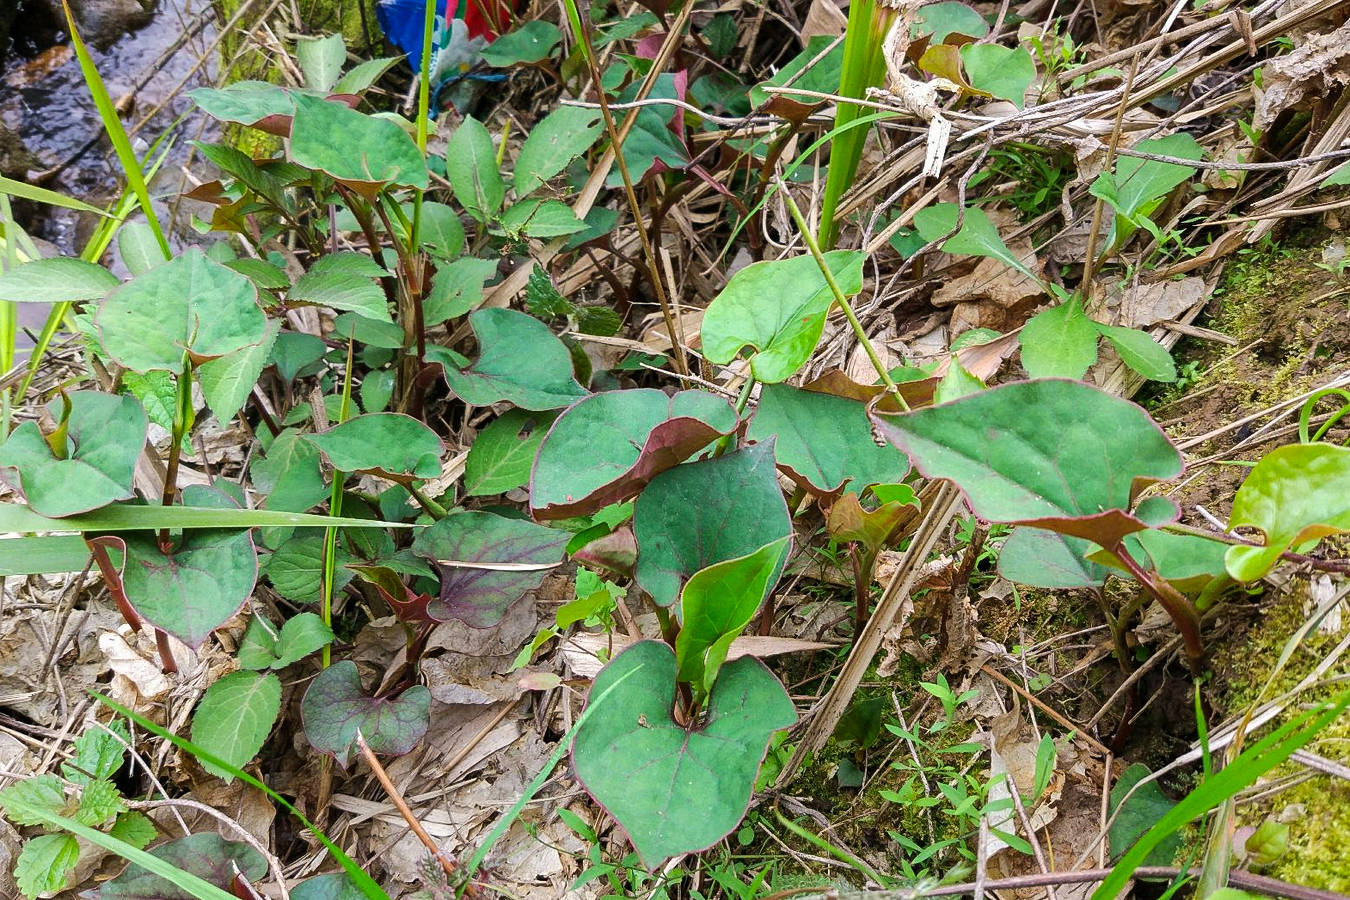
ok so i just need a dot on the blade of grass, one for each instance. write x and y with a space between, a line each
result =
367 885
194 885
126 155
43 195
15 517
864 67
1258 759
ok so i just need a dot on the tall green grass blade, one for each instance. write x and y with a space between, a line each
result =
864 67
16 517
52 554
367 885
45 196
126 155
197 887
1258 759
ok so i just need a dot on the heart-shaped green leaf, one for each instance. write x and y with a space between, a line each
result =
336 707
701 513
195 587
1059 342
289 474
1044 559
607 447
502 454
206 854
1005 72
1057 454
676 789
188 305
530 43
939 20
104 436
227 381
245 102
778 308
363 152
487 562
388 444
56 280
235 716
1295 494
716 605
1188 561
977 236
519 360
824 442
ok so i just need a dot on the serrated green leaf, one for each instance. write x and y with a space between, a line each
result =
45 863
134 828
25 800
235 716
99 801
346 282
97 754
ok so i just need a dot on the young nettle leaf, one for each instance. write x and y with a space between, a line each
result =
24 801
335 708
824 442
188 305
502 455
244 102
976 237
98 444
98 754
777 308
235 716
1139 186
45 863
1045 559
1057 454
520 361
486 562
471 166
344 281
389 444
134 828
56 280
195 587
702 513
207 855
366 153
676 788
607 447
296 568
715 606
99 802
555 141
1295 495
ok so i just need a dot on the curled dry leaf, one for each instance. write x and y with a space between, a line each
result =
1311 71
582 650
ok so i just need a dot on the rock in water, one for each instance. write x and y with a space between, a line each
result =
103 21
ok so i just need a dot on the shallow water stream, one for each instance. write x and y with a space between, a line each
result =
147 72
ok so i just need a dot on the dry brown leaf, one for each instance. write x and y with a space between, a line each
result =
1311 71
138 682
823 18
1142 305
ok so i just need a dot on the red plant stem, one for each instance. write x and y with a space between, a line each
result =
1178 607
113 579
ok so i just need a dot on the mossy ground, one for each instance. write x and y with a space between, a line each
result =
1291 320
